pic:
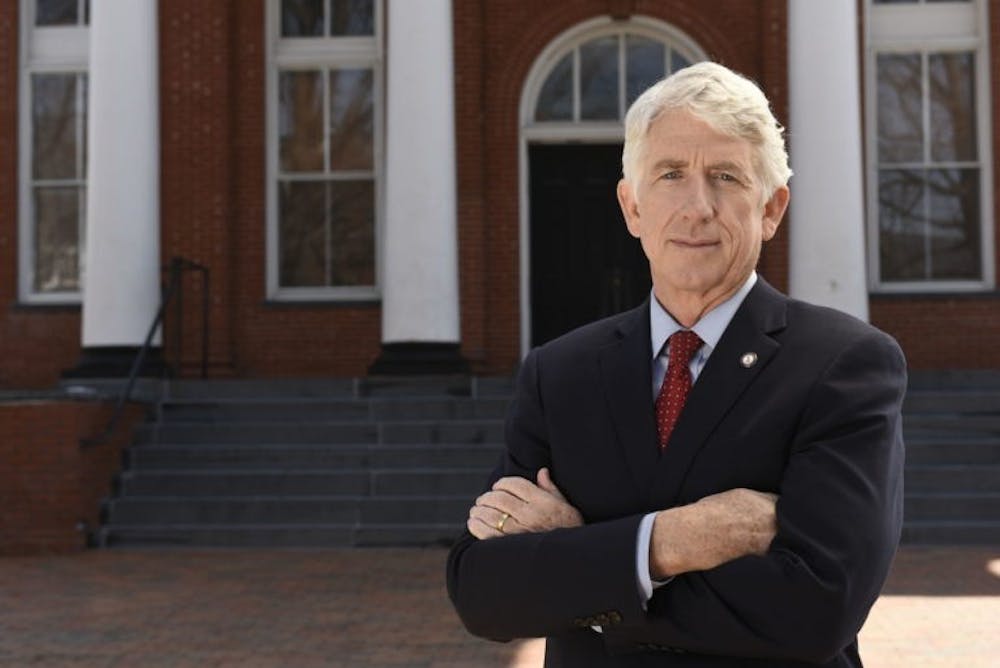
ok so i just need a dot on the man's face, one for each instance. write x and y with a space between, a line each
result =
696 206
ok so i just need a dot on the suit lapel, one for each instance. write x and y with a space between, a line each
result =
626 368
722 381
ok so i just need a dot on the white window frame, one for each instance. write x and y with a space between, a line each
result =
43 49
323 53
929 28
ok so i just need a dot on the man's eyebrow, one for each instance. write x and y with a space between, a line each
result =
670 163
727 166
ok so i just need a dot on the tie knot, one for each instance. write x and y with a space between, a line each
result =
683 345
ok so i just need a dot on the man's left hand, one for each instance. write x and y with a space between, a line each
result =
517 505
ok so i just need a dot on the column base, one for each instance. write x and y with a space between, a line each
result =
413 358
116 362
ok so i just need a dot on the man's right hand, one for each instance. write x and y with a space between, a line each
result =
712 531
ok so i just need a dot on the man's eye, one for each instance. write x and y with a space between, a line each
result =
673 174
723 176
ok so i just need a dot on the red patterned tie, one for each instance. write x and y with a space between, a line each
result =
676 383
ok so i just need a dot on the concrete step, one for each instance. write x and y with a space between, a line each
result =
427 432
278 458
408 386
952 401
262 510
951 533
290 484
953 451
988 423
327 410
964 478
320 535
951 507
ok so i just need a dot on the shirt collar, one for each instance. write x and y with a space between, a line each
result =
709 328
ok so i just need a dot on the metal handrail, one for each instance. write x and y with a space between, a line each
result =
176 267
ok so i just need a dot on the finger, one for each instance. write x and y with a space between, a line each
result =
519 487
491 517
502 501
498 523
545 482
480 529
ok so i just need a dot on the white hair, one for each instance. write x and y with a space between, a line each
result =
728 102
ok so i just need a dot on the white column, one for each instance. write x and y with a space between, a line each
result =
122 267
420 270
827 248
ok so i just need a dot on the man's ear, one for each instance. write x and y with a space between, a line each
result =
774 211
629 206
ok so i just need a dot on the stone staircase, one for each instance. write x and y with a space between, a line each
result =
952 485
313 463
307 463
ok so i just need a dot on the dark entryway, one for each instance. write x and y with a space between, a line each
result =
584 263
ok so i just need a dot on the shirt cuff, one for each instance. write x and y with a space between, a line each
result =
646 583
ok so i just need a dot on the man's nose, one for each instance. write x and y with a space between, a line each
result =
700 203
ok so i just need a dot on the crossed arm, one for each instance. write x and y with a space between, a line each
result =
695 537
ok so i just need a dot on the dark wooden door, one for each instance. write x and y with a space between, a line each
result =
584 263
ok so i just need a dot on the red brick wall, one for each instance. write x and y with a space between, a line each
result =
48 483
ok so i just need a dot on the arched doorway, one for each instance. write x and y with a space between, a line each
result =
578 262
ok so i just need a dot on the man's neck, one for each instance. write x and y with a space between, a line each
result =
687 308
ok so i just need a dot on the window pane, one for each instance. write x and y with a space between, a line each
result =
599 79
902 230
57 12
352 17
352 232
953 106
644 61
677 62
351 118
302 233
900 118
58 125
327 233
954 217
57 249
300 120
555 101
302 18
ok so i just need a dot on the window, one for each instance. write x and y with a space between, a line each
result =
598 78
324 149
929 159
53 165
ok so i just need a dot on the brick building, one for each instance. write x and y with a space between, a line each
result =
429 184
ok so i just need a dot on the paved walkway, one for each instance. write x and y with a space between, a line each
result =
387 608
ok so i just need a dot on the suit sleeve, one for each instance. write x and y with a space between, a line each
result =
839 521
531 585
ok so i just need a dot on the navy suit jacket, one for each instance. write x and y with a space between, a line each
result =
816 420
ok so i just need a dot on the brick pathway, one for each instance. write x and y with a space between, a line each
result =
387 608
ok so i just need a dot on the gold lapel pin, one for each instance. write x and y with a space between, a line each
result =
748 360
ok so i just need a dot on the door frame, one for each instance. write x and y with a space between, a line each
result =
586 132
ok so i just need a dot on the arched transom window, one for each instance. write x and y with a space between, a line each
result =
597 75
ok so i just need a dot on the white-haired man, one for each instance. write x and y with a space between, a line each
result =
713 478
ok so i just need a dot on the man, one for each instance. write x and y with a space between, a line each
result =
713 478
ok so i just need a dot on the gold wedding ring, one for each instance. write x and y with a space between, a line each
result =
506 516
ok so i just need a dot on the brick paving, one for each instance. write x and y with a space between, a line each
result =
387 608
